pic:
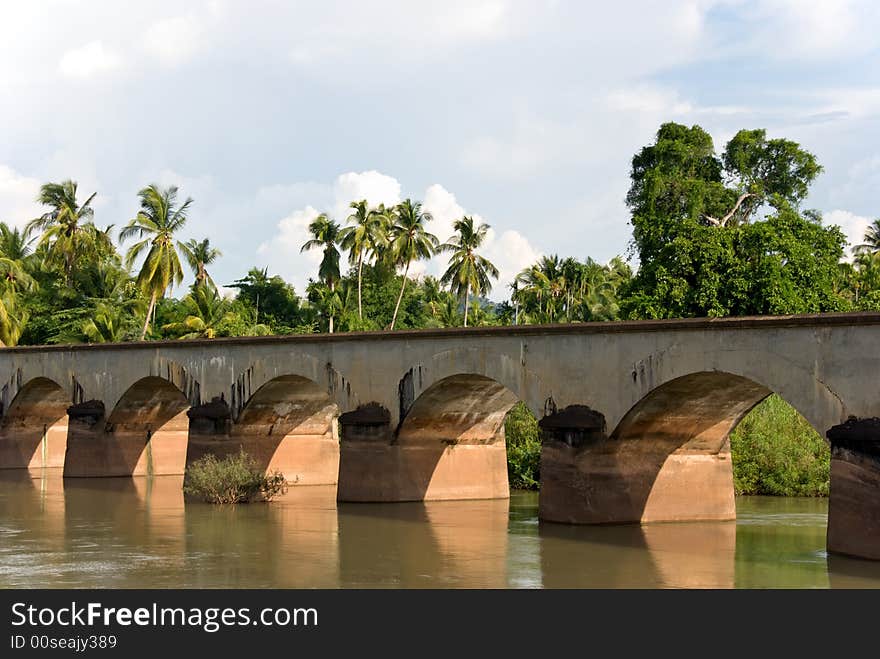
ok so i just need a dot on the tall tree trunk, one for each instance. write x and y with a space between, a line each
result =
400 297
149 313
360 279
331 310
467 296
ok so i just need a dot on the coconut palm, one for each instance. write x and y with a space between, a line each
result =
158 219
199 255
409 241
468 272
207 309
872 240
541 287
13 317
325 234
13 243
364 238
433 294
65 226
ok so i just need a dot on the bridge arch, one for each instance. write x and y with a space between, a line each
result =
288 364
505 369
449 445
289 424
33 428
145 433
668 458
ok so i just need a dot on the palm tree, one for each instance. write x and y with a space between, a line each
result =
13 319
541 286
106 324
325 234
13 243
158 219
409 241
64 225
207 309
468 272
433 294
199 255
364 238
872 240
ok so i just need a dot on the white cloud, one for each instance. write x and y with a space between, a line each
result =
90 60
648 98
174 40
373 186
18 196
818 29
853 226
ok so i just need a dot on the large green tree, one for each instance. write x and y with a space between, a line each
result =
159 218
468 272
725 235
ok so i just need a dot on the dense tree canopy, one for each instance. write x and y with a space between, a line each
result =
725 235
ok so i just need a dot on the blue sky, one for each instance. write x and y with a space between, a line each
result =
525 114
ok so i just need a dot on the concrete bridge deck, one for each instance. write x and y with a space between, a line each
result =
635 416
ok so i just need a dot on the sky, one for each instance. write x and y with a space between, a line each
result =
523 114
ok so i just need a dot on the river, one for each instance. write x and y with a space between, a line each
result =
139 533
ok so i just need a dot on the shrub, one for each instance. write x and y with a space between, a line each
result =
776 451
233 479
523 448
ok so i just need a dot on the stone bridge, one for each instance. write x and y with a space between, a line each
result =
635 416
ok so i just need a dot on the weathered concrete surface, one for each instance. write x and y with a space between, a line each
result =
33 431
662 455
288 425
668 459
145 434
449 446
854 500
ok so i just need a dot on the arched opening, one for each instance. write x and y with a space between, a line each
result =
450 445
288 425
144 435
33 430
668 459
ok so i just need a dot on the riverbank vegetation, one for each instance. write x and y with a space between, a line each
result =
714 234
234 479
777 452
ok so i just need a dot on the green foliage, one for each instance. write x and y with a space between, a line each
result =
523 448
233 479
702 247
273 301
777 452
565 290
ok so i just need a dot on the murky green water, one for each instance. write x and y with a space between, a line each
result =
132 533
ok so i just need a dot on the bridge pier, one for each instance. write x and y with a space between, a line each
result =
668 460
296 437
854 498
377 466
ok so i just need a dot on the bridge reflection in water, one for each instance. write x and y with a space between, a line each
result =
139 532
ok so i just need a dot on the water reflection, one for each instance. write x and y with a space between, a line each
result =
442 544
139 532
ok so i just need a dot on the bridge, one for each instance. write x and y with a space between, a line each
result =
635 416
